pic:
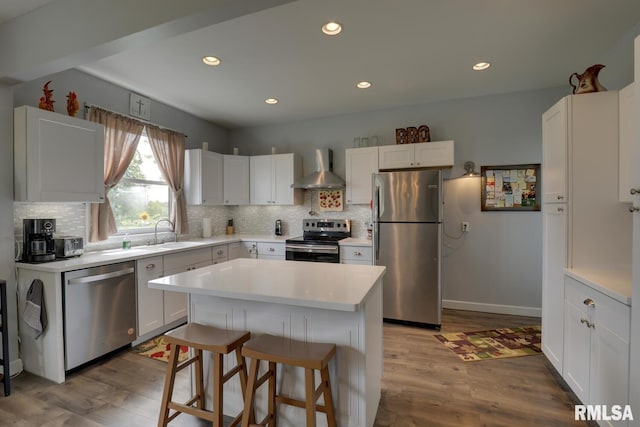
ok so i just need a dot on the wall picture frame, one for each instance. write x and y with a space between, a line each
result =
510 187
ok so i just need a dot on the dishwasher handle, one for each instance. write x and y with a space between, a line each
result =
98 277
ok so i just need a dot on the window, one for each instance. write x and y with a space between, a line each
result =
142 196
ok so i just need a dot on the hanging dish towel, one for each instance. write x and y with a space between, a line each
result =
35 313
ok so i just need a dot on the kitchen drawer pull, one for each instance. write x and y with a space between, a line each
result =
589 303
633 209
634 191
357 253
560 209
583 321
150 266
560 197
271 250
220 252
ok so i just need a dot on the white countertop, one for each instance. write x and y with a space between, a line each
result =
341 287
612 284
110 256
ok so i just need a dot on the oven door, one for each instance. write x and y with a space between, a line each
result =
313 253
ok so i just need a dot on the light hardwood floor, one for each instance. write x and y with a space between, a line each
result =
424 385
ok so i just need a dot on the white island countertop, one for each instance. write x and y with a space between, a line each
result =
342 287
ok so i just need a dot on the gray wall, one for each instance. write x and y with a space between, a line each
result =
92 90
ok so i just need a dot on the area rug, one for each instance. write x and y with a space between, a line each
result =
156 348
494 343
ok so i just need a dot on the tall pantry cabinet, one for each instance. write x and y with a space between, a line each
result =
579 185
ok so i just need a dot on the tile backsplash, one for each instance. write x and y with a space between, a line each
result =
72 219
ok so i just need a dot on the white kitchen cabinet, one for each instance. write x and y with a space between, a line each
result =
269 250
220 253
580 161
236 180
419 155
597 334
361 163
554 253
555 148
158 308
356 254
628 144
242 250
57 158
270 179
204 177
150 302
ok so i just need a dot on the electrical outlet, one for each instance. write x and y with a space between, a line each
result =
465 226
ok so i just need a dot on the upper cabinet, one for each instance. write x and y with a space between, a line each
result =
270 179
361 163
628 148
236 180
555 148
57 158
420 155
203 177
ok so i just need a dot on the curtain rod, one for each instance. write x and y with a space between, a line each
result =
87 106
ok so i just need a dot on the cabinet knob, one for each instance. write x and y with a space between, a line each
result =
589 303
634 191
150 266
560 209
357 253
560 197
271 250
633 209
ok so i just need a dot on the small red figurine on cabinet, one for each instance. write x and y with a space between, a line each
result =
46 102
72 104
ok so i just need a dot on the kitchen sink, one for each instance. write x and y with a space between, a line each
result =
171 245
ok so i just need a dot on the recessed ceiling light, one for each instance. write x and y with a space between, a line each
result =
481 66
211 60
332 28
363 85
271 101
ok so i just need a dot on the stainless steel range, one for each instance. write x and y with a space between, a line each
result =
319 242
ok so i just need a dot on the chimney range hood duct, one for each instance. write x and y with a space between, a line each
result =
323 177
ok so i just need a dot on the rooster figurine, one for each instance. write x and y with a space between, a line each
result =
46 102
72 104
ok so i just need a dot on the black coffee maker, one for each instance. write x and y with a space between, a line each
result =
38 244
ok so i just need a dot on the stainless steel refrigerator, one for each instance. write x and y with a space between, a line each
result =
407 232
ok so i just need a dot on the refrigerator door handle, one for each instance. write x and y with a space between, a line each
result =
376 212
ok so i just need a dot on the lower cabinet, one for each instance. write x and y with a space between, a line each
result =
220 253
269 250
157 308
242 250
596 346
356 255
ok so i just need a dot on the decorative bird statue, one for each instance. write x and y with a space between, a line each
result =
72 104
46 102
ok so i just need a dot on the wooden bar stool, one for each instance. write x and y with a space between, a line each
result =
219 342
310 356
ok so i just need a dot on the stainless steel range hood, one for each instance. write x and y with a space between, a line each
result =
323 177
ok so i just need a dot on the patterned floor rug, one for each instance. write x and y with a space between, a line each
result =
156 348
494 343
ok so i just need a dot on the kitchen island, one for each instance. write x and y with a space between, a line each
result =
319 302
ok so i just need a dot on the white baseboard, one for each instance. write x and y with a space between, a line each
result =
515 310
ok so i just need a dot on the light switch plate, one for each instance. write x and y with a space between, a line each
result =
139 106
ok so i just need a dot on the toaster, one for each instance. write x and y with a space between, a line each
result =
69 246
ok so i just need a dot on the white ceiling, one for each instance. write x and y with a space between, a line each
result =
12 8
413 51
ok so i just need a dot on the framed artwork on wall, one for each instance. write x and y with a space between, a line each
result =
510 188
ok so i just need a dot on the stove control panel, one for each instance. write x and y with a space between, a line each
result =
326 225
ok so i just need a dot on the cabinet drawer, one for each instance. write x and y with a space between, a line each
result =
356 253
605 312
219 252
182 259
266 248
149 268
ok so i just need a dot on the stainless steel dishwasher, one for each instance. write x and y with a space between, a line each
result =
99 311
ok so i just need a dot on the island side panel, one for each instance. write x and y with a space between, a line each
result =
353 395
374 351
43 356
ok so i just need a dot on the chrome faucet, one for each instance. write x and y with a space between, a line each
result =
155 231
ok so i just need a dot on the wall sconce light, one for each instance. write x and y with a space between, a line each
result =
469 168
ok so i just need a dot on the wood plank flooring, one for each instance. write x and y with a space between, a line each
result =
424 385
